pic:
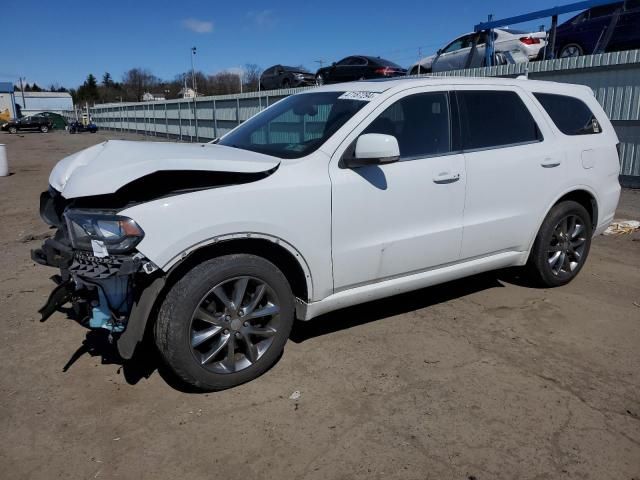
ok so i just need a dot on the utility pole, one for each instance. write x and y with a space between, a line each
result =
240 77
319 62
195 92
24 105
419 60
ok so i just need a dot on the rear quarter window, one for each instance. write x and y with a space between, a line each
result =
571 115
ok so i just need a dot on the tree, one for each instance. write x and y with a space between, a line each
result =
35 87
252 73
137 81
223 83
74 95
55 87
107 81
88 91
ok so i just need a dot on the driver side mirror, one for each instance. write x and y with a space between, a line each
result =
439 52
374 149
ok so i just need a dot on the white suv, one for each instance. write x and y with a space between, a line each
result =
328 198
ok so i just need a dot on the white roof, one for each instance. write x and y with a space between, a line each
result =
43 94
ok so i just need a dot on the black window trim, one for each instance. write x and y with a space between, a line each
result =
494 147
535 94
350 150
412 158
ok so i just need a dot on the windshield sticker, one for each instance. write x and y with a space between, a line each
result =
362 96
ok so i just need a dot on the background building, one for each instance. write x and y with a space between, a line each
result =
37 102
7 102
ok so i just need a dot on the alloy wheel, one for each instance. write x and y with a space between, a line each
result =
566 249
570 51
234 324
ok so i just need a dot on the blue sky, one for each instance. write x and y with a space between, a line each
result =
61 42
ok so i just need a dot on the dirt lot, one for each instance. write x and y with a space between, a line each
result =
484 378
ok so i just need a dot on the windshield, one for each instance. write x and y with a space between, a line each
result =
295 126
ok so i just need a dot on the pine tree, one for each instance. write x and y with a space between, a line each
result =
107 81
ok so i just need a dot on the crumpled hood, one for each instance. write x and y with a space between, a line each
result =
108 166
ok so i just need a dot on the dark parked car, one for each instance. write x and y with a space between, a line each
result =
585 33
78 127
33 123
358 67
280 76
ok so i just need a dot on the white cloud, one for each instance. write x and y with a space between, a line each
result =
262 18
197 26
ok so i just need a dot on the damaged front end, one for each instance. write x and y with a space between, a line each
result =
101 273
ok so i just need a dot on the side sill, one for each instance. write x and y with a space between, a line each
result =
395 286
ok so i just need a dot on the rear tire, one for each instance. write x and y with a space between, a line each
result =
44 128
319 80
571 50
211 343
562 245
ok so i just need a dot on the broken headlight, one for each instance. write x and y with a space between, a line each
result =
102 232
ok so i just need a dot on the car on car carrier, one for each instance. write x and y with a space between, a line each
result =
328 198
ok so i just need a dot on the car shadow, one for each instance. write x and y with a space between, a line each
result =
391 306
146 360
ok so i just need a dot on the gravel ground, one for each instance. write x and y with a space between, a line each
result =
484 378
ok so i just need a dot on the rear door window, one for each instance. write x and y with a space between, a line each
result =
571 115
491 119
419 122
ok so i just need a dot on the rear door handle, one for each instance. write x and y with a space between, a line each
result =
550 163
446 177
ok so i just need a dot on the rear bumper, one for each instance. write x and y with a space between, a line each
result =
608 203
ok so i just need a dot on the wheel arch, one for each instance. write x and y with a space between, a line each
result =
277 251
580 194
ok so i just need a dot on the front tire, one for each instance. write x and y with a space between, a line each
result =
562 245
225 322
13 130
319 80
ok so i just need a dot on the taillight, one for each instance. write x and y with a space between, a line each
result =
386 71
530 40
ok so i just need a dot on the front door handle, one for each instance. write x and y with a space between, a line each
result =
446 177
550 163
